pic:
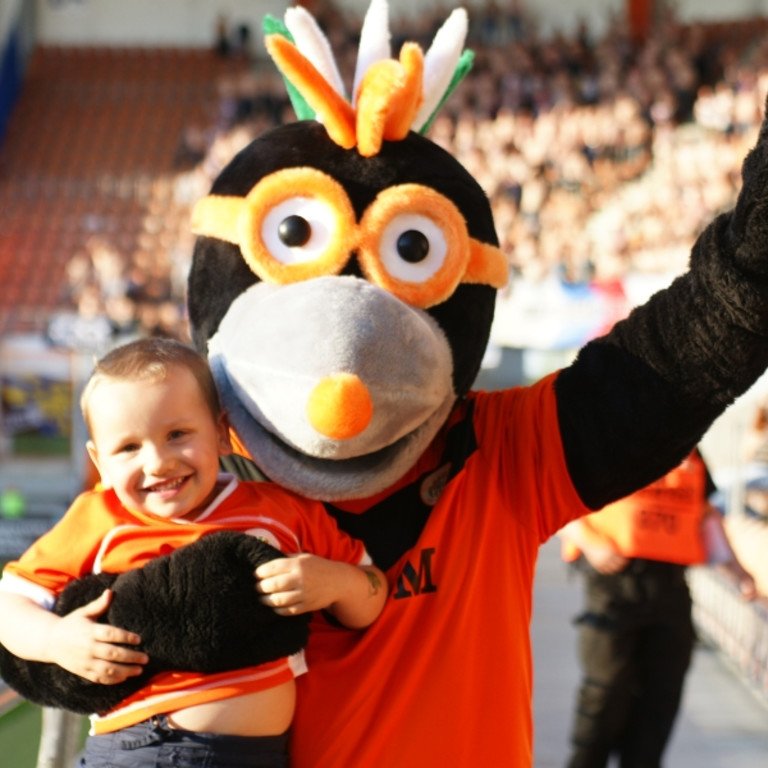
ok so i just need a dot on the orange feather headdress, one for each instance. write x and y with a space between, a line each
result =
390 96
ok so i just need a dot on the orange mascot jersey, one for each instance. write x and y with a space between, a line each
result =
659 522
444 676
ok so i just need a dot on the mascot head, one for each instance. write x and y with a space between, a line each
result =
345 270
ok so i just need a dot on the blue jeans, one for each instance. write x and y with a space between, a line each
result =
153 744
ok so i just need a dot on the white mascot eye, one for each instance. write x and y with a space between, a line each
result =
412 248
298 230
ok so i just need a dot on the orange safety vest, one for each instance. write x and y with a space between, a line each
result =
659 522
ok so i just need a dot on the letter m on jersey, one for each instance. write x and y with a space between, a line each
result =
412 582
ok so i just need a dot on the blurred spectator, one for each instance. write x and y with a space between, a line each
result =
754 471
632 145
222 44
636 634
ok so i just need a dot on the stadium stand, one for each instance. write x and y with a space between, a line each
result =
93 135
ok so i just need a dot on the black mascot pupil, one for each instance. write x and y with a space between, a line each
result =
413 246
294 231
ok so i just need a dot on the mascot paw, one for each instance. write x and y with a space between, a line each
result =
196 609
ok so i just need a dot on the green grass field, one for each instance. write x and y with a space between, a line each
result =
20 736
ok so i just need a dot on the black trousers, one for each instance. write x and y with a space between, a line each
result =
153 744
636 638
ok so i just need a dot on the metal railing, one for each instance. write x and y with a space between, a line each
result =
737 628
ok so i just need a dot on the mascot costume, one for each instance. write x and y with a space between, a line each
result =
343 288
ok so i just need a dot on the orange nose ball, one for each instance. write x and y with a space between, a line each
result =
340 406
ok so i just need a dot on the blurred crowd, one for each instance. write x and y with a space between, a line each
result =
600 157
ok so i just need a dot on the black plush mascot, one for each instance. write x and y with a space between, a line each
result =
343 288
178 630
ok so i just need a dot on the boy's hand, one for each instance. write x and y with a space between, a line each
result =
89 649
300 583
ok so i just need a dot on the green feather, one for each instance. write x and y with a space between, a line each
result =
273 26
462 70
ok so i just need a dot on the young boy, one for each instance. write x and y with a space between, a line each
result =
157 431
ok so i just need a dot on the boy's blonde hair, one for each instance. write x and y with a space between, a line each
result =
151 359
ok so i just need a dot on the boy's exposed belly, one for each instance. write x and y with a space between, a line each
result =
263 713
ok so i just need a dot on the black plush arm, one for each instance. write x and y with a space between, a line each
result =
196 609
636 401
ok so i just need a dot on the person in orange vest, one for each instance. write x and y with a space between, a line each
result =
636 633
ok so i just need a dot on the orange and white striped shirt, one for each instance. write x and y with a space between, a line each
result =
98 534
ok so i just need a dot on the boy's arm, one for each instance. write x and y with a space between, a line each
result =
355 595
75 642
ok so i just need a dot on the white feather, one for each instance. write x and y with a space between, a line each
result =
374 41
440 63
312 42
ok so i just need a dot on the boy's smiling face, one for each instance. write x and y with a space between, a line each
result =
156 443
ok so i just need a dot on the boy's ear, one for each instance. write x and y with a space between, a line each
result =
222 429
90 446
